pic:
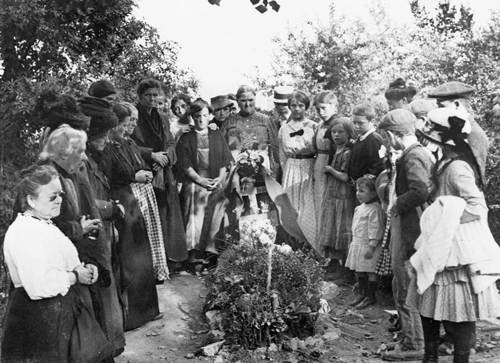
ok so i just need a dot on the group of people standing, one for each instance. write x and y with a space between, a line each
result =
122 197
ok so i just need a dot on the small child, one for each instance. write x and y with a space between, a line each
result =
365 157
364 251
337 206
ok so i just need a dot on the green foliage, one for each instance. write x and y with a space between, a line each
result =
254 317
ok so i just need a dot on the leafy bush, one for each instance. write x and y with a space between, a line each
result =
253 316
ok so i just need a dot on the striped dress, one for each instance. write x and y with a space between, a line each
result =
297 151
323 154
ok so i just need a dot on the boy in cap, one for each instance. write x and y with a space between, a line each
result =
413 184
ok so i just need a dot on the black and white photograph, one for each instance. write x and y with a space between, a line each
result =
249 181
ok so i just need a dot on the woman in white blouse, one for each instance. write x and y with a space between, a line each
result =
44 266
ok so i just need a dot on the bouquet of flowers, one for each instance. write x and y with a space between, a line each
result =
258 232
249 163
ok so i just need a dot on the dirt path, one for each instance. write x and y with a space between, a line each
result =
182 330
178 333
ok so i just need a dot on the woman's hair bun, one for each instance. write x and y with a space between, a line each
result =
398 83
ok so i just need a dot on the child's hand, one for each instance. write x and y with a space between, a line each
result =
369 253
328 169
394 211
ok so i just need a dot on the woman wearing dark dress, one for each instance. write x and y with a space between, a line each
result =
203 159
142 254
102 120
157 144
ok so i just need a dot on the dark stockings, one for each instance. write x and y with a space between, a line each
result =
461 334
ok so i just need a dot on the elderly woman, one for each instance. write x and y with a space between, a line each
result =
203 158
297 150
250 129
157 144
102 119
79 217
457 260
44 267
141 248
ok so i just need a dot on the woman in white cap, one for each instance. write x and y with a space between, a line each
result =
458 293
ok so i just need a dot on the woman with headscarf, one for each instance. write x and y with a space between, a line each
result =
457 260
157 144
141 249
203 159
102 119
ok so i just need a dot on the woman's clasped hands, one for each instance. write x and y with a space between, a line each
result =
90 225
209 183
87 274
143 176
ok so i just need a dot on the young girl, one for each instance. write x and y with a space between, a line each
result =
337 206
297 151
326 107
364 251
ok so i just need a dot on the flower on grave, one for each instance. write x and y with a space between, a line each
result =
284 248
258 232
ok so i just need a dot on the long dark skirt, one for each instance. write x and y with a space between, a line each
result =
38 330
172 222
138 283
106 297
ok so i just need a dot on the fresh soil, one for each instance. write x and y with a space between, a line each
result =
183 331
179 335
180 332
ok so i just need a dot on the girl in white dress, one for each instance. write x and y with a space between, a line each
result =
297 151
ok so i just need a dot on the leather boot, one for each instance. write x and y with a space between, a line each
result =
370 296
362 289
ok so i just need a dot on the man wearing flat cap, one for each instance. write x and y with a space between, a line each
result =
221 106
413 185
457 95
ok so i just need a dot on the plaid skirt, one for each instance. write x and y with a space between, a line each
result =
146 200
384 261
